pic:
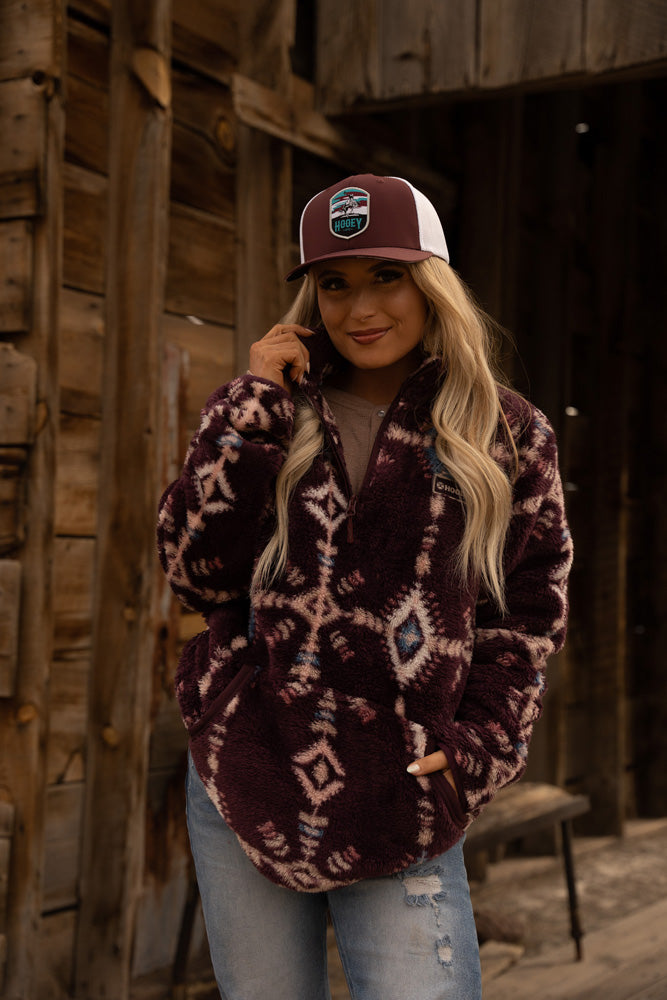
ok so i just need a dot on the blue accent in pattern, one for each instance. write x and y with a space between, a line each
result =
308 658
311 831
231 438
410 637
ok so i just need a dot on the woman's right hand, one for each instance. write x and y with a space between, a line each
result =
280 356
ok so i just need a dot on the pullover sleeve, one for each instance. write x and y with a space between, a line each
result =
487 743
210 518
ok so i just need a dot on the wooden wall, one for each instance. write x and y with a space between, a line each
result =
53 311
392 51
31 225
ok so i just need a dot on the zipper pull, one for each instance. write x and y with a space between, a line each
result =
351 509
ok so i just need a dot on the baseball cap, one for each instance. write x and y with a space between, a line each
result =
369 216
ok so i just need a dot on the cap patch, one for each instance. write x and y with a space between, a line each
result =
349 212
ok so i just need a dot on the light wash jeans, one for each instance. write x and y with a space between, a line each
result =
409 936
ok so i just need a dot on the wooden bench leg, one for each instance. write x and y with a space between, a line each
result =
575 923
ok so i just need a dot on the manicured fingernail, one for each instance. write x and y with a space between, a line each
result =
413 768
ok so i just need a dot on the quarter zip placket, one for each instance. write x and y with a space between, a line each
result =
353 498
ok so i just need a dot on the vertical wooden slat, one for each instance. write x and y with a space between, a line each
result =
348 53
264 171
123 637
619 33
23 719
529 40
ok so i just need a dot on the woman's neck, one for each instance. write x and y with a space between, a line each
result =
377 385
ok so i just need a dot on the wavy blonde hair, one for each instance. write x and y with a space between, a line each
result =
466 414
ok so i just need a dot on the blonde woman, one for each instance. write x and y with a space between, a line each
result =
374 530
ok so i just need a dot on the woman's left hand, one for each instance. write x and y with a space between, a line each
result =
433 762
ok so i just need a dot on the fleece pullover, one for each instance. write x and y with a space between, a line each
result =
305 702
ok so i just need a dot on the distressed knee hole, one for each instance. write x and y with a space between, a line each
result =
424 888
443 949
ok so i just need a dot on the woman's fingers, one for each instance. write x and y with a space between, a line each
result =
280 351
433 762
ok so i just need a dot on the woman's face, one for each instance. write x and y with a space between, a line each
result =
372 310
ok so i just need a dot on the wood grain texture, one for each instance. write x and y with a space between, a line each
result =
124 629
529 40
623 34
23 719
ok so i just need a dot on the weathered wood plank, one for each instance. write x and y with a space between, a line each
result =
206 36
204 144
16 276
123 643
200 275
81 350
13 464
85 220
68 704
211 362
77 475
73 583
18 391
23 720
62 845
56 948
202 175
524 40
620 34
430 51
30 39
88 53
87 125
10 605
349 53
22 159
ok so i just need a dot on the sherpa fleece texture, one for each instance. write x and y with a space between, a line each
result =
306 703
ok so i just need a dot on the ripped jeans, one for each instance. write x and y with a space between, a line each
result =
409 936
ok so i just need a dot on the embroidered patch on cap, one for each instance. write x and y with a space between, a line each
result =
349 212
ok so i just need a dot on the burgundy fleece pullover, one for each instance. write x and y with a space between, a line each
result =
305 703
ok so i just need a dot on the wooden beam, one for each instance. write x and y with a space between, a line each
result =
123 633
295 121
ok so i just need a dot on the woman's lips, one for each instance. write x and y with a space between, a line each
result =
367 336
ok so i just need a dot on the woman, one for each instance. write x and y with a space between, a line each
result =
374 530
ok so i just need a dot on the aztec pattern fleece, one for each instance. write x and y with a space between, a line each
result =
306 703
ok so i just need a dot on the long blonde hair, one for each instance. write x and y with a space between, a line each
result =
466 414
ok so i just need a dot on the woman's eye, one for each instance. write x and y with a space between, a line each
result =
388 274
331 284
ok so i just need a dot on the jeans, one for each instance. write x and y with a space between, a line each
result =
408 936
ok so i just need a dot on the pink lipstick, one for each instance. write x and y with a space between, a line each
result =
367 336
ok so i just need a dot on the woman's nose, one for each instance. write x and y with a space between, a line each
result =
363 304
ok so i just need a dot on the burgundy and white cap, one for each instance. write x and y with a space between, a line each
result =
369 216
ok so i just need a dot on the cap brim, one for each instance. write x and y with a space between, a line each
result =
405 255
